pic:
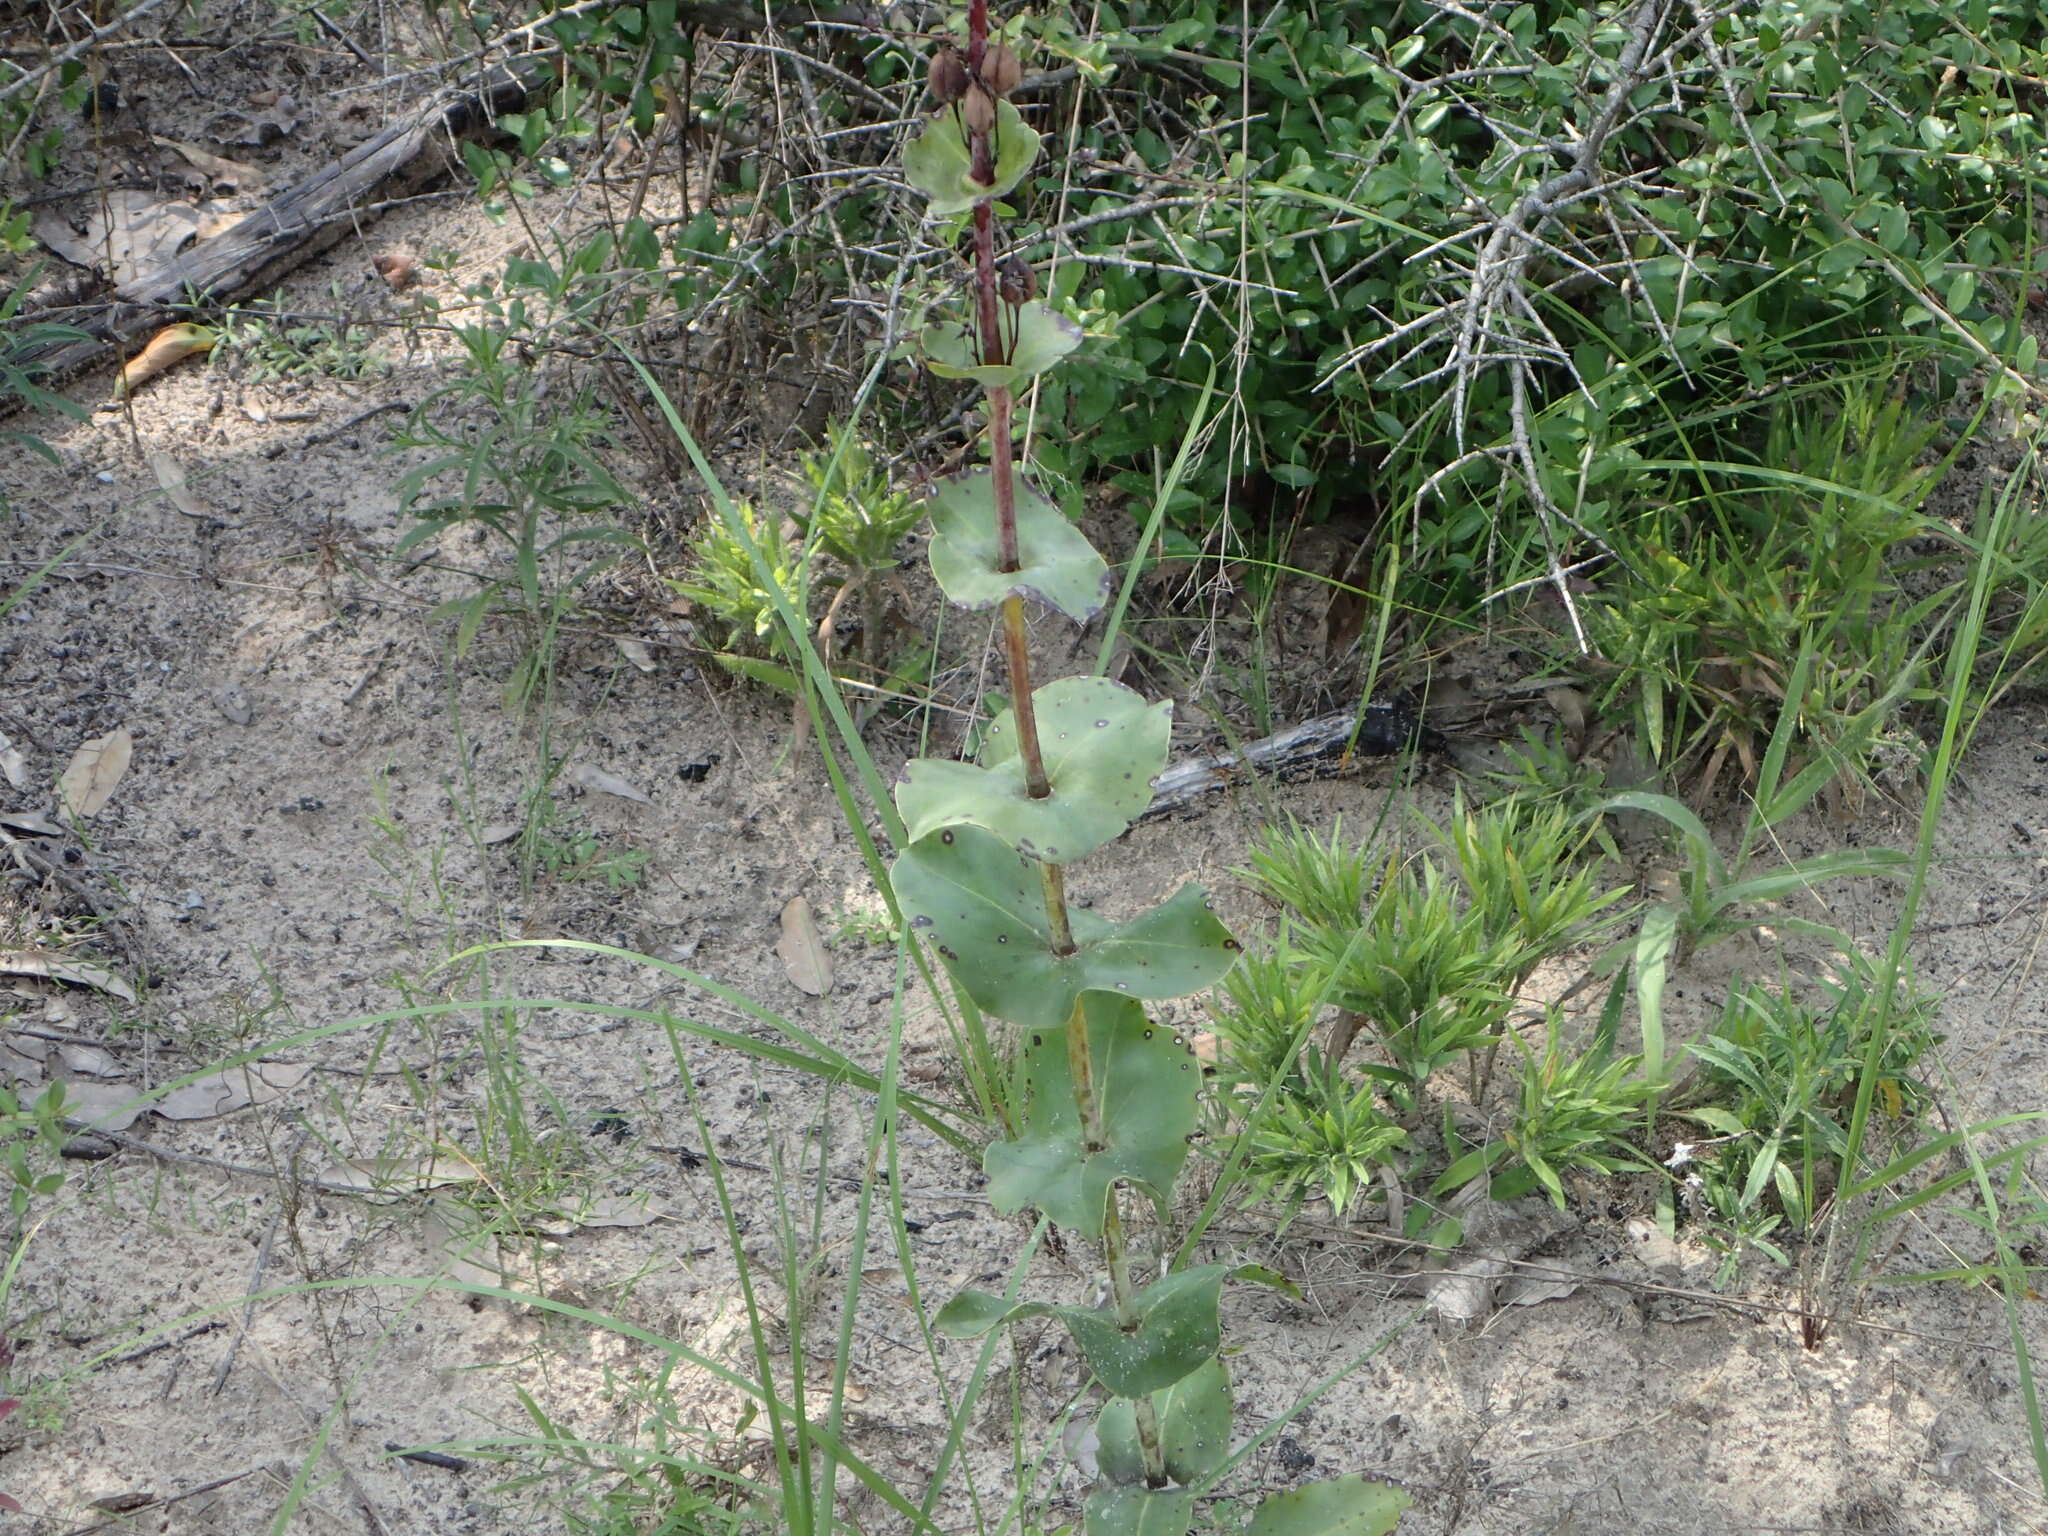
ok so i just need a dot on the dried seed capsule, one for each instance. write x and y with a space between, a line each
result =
1001 70
978 109
1016 282
948 78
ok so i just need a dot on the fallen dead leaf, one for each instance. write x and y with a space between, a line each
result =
635 651
401 1175
219 1093
234 703
397 268
13 765
95 772
1533 1290
170 478
803 953
467 1257
31 822
55 967
82 1060
223 172
500 832
116 1106
128 233
167 348
584 776
604 1211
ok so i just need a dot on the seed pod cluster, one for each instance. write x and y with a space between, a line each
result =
1001 70
948 77
1016 282
978 109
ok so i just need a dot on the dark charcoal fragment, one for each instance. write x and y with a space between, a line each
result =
1394 724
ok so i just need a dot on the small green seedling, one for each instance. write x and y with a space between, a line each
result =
1111 1097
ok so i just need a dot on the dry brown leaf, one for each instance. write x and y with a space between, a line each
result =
167 348
607 1211
170 477
81 1060
397 268
13 764
95 771
103 1106
401 1175
127 233
220 1093
466 1257
56 967
31 822
584 776
803 953
116 1106
621 1211
635 651
227 173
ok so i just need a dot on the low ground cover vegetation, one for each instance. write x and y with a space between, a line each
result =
1639 404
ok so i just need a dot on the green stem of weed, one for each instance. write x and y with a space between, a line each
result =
1115 1248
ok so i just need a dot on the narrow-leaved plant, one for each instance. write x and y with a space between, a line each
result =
1109 1097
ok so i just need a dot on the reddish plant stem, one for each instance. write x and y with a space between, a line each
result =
1094 1131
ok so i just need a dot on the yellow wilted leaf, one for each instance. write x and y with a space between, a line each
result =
169 346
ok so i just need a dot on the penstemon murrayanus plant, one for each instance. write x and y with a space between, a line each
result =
1109 1097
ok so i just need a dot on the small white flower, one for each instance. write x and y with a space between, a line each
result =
1681 1154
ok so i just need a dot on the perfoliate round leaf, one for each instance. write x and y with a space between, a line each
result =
938 164
1057 564
1146 1082
972 1313
982 904
1139 1511
1178 1329
1101 745
1194 1429
1037 337
1337 1506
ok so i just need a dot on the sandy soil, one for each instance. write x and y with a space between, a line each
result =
303 841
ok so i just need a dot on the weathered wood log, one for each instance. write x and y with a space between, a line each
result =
1378 730
253 254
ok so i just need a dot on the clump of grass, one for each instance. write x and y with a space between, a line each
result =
1751 564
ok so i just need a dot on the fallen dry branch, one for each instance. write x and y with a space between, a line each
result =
298 224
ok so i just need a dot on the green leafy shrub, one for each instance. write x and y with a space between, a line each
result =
1429 238
1794 553
513 459
1778 1075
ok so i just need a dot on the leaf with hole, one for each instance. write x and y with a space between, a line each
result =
982 905
1140 1511
938 163
1101 745
1338 1506
1177 1328
1148 1082
1194 1429
1035 338
1056 565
